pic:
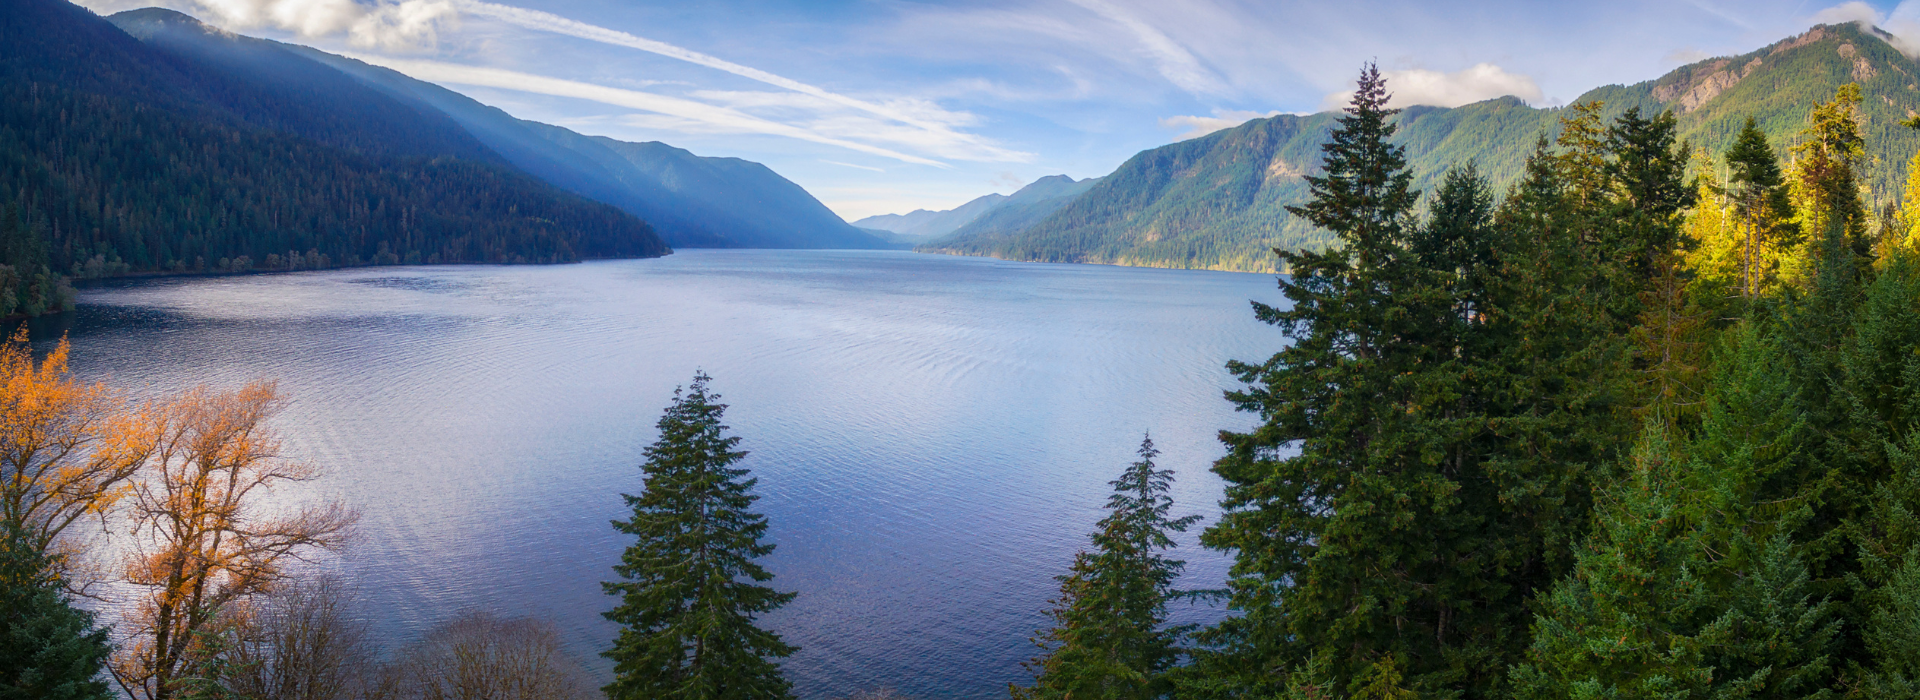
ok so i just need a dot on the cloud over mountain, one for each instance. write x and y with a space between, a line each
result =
1417 86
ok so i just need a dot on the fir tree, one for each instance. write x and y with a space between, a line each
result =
49 650
1108 639
1665 602
1825 179
1760 201
689 589
1381 549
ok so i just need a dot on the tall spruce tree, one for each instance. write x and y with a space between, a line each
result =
1379 557
1760 203
1109 640
49 650
690 588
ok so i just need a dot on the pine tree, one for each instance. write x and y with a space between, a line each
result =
1825 178
1381 543
1760 202
1665 602
1626 623
689 589
1109 640
49 650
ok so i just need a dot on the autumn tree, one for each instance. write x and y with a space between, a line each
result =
690 588
67 450
1109 639
202 537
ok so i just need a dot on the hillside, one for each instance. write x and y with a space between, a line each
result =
922 225
1218 201
121 156
1017 212
693 201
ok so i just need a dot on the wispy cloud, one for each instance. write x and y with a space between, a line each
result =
717 117
1175 62
850 165
917 113
1417 86
387 25
1903 23
1197 126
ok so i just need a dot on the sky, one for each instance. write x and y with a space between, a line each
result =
886 106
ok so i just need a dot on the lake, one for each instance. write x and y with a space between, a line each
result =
932 435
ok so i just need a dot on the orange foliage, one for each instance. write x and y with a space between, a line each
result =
67 450
202 537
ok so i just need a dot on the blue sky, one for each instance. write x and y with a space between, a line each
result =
879 106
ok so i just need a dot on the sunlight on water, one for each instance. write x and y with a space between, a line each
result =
933 435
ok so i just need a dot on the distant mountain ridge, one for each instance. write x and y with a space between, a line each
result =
921 224
1218 201
119 156
690 200
1016 213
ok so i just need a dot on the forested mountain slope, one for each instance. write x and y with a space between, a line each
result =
121 156
1218 201
693 201
923 224
1018 212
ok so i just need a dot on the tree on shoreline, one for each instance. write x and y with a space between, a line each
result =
49 650
202 538
690 588
1109 639
67 450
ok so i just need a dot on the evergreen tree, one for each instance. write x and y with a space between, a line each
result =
1108 640
1667 603
1760 202
49 650
1381 549
1825 182
689 589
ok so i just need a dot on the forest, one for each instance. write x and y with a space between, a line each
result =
1641 425
117 158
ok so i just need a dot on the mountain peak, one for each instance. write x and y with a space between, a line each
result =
152 19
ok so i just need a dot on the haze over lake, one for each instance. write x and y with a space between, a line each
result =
932 435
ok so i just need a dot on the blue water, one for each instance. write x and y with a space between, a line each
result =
932 435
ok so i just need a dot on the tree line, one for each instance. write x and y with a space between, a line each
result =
1641 426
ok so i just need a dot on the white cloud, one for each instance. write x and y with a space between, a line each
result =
921 114
1903 23
1686 56
682 113
389 25
1201 126
1417 86
850 165
1843 13
1175 62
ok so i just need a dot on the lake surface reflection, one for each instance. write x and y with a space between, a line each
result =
933 435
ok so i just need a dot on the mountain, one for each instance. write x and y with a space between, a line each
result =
1017 212
1218 201
118 155
693 201
922 225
